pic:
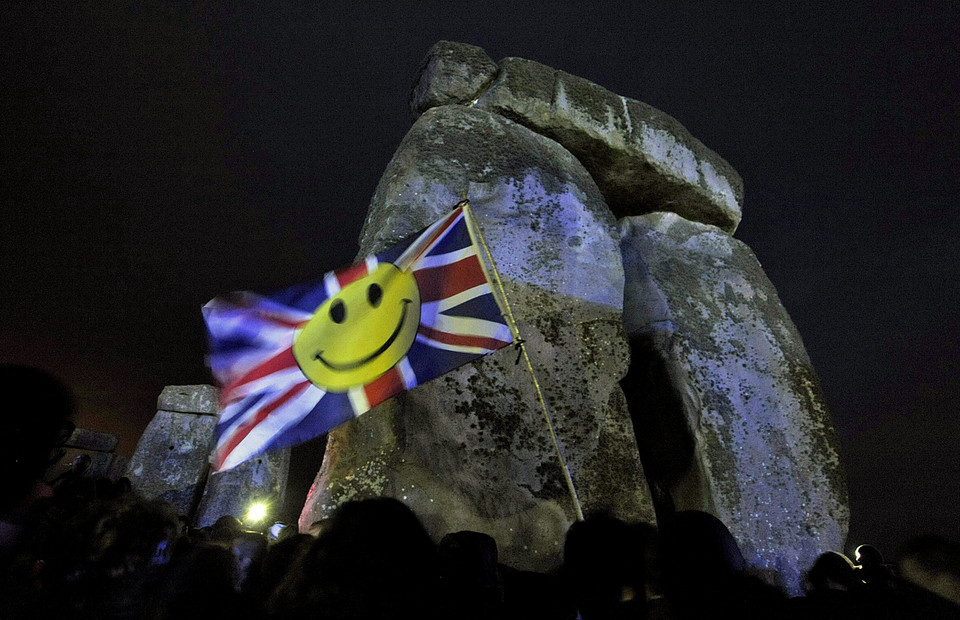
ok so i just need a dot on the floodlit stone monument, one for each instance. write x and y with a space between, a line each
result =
674 376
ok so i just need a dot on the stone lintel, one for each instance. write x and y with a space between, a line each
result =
198 399
641 158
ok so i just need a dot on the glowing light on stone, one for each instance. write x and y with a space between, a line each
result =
256 513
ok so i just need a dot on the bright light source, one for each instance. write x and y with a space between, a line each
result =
256 513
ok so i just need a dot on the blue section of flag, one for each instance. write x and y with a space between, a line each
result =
269 403
330 412
306 297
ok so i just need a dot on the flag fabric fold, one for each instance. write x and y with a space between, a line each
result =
295 364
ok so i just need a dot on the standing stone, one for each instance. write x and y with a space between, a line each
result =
171 456
171 460
719 374
471 450
98 447
262 479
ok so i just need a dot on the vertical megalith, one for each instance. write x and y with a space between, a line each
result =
171 457
719 368
171 461
471 450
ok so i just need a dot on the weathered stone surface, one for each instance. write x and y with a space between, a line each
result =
451 73
199 399
171 456
470 450
262 479
720 373
95 441
642 159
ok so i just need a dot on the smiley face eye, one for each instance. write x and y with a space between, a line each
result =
374 294
338 311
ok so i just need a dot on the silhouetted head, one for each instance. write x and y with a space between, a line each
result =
697 552
225 529
832 571
604 563
468 572
868 556
373 560
692 536
35 412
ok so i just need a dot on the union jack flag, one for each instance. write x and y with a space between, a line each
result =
268 401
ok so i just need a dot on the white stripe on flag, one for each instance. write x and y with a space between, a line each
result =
440 260
442 305
406 373
456 348
358 400
420 245
468 326
278 421
331 284
273 381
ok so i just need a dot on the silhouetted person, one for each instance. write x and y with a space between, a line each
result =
374 561
704 573
200 584
471 587
606 566
35 413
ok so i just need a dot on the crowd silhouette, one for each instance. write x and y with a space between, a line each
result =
93 548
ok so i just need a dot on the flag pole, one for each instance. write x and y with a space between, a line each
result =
475 232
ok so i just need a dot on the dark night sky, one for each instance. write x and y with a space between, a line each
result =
154 157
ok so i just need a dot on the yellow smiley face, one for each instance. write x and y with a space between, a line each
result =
361 332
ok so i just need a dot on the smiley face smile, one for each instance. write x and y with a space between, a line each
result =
361 331
386 345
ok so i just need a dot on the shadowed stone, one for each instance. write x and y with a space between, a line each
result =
262 479
471 450
451 73
94 441
171 456
642 159
720 374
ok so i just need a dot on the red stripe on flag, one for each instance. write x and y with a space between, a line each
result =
247 427
383 387
438 283
462 340
351 274
425 245
280 361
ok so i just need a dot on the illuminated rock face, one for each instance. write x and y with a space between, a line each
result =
171 456
729 414
471 449
170 461
261 480
451 73
728 408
